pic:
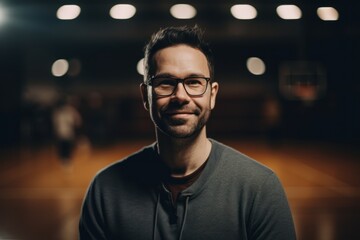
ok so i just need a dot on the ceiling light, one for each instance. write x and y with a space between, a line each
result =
60 67
327 13
243 11
183 11
255 65
122 11
289 12
68 12
140 67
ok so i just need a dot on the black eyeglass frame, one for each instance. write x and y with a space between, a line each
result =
182 80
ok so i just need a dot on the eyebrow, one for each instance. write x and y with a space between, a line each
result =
172 76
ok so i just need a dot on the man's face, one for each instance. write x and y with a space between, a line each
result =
180 115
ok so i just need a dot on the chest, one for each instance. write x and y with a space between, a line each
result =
207 216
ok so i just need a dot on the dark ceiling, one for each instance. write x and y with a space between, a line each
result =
36 20
32 38
109 49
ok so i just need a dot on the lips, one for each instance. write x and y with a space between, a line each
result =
179 113
173 110
182 111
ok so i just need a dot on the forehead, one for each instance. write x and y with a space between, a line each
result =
180 60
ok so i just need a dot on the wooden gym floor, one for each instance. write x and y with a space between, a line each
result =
40 199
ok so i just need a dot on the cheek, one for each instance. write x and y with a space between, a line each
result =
156 105
203 104
210 102
152 100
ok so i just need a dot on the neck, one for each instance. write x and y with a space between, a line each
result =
183 156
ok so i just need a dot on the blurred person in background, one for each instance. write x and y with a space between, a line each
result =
66 121
185 185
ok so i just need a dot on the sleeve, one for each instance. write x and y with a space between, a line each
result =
270 215
91 224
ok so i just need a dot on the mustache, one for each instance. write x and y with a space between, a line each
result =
175 107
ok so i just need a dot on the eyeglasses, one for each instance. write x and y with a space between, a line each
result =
166 86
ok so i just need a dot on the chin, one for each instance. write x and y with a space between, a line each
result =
181 131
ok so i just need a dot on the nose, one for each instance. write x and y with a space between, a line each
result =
180 93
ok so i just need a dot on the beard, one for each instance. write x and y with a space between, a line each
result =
180 127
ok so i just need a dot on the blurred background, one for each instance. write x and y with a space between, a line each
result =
289 97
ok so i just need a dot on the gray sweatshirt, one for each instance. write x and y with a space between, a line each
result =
235 197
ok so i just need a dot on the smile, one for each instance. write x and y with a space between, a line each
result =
179 113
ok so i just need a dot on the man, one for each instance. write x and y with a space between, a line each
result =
184 186
66 120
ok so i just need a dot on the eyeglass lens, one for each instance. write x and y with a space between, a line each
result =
193 85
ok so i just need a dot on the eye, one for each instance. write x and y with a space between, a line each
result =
194 82
164 82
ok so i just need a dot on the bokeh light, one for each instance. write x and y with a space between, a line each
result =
140 66
2 15
289 12
327 13
60 67
243 11
255 65
68 12
122 11
183 11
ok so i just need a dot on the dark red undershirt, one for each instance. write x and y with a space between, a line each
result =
177 184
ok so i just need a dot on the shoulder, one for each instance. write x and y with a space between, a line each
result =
233 162
135 166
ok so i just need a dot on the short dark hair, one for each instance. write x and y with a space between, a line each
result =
171 36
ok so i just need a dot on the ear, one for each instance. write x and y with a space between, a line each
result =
144 95
213 94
